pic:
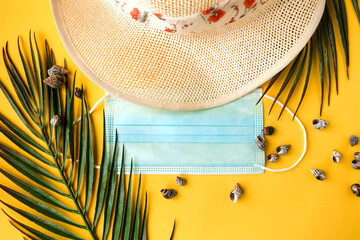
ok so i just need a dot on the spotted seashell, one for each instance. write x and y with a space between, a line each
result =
78 93
273 158
336 156
282 150
168 193
57 70
54 81
260 142
236 193
355 164
180 181
357 155
355 188
319 124
319 175
354 140
268 130
55 120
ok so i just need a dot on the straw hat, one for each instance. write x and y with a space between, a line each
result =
184 54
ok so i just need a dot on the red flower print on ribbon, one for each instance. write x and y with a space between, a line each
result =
158 15
135 13
216 16
207 11
249 3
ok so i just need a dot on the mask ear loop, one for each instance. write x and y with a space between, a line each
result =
305 142
107 95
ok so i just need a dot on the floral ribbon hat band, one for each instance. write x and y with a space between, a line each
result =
225 12
184 54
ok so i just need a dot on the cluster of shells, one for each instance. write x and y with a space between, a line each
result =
171 193
56 76
260 143
55 80
321 124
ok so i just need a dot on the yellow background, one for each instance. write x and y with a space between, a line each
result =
290 205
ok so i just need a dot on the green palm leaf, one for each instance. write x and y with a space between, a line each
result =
42 159
325 40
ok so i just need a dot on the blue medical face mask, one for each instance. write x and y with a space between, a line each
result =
213 141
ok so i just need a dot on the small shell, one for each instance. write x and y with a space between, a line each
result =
355 164
268 130
336 156
355 188
180 181
55 120
319 124
282 150
357 155
273 158
260 142
54 81
236 193
354 140
319 175
168 193
78 92
57 70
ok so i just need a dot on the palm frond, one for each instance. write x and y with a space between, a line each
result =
61 161
325 41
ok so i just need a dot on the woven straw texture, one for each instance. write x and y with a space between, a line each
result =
151 67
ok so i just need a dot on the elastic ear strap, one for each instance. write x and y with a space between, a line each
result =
95 106
305 142
107 95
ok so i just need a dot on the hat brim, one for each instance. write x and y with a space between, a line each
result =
154 68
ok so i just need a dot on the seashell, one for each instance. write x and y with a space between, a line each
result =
78 92
273 158
55 120
236 193
54 81
168 193
355 188
319 124
355 164
260 142
268 130
282 150
57 70
357 155
319 175
180 181
336 156
354 140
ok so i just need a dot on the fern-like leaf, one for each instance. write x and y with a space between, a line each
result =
325 40
61 161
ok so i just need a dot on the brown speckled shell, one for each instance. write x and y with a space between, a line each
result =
168 193
54 81
55 120
57 70
180 181
319 124
283 150
355 164
336 156
355 188
236 193
260 142
319 175
354 140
